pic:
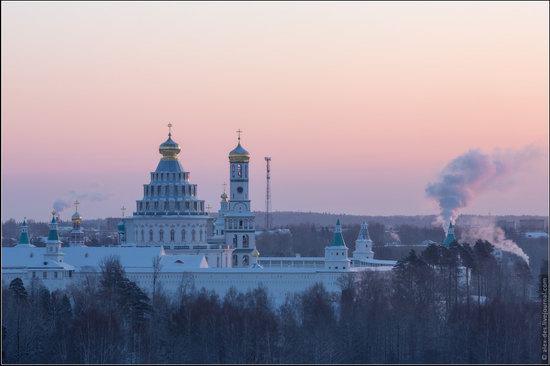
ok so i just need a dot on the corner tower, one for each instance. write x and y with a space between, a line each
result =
450 237
53 244
336 253
24 235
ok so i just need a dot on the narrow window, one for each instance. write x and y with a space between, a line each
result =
150 234
161 235
172 235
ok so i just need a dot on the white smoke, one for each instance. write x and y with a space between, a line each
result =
493 234
68 200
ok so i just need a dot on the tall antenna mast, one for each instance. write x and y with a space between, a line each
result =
268 194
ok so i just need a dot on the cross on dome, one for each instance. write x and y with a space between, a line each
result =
239 131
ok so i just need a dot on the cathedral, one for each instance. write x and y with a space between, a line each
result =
171 227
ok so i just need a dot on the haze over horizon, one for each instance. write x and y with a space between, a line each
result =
360 105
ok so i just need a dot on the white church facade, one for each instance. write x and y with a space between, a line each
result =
171 228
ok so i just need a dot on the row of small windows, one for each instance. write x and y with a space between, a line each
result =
240 224
201 235
169 176
171 205
55 274
159 190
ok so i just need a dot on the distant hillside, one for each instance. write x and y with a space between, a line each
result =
285 218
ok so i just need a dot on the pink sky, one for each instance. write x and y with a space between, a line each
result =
360 105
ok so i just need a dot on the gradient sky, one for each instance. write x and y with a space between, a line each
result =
360 105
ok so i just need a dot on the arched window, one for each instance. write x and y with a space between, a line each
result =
172 235
165 206
200 235
245 260
245 241
235 240
150 234
217 261
240 224
161 235
235 260
193 232
142 235
183 237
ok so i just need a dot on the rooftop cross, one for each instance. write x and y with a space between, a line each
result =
224 185
239 131
123 209
76 203
169 130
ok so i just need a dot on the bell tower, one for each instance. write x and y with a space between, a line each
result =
238 178
239 220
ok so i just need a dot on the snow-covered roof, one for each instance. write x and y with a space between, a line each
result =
379 262
30 257
133 259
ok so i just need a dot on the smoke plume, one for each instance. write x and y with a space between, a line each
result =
68 200
495 235
472 173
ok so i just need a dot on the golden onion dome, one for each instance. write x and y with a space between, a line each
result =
239 155
169 148
224 196
76 216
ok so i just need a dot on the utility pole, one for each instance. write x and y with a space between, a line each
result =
268 194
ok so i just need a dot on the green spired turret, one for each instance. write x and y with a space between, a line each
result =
338 240
450 238
53 235
336 253
24 235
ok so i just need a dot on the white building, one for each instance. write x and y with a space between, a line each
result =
171 228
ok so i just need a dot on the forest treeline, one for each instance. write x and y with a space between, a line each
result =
456 305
